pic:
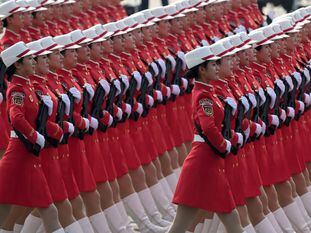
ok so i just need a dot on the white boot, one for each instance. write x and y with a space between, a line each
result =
162 202
296 218
177 172
167 190
124 217
17 228
172 181
31 224
249 229
151 208
215 224
283 221
274 223
185 232
41 229
60 230
221 228
198 228
303 210
206 226
99 223
306 200
74 228
115 220
264 227
309 188
4 231
135 209
86 225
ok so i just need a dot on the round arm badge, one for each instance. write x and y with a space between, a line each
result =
207 106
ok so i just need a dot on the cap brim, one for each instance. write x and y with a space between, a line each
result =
56 47
193 9
107 35
265 43
29 9
49 2
45 52
85 41
155 20
72 47
119 33
180 15
215 58
202 4
41 9
69 2
148 24
57 2
31 52
18 10
244 47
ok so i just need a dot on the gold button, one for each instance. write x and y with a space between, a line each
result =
35 166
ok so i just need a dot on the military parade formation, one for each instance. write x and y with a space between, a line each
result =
192 117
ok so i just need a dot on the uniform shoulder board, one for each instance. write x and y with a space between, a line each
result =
207 106
18 98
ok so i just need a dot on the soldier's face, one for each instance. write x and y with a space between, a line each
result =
27 19
83 53
96 51
226 67
137 36
211 71
56 60
42 66
16 20
146 32
129 42
39 17
164 27
243 57
70 58
176 25
275 48
107 46
26 67
264 54
200 15
118 43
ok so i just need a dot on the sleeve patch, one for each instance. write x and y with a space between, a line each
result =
207 106
18 98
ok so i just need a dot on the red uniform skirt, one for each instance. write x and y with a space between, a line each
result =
53 174
22 179
140 142
132 158
95 158
149 138
173 121
203 181
80 166
306 121
107 156
67 172
301 149
117 152
167 133
4 127
186 128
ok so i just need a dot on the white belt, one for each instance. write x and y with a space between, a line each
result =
198 138
13 134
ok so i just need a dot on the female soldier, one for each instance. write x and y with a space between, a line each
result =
208 149
22 177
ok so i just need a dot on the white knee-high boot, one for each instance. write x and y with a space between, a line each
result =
74 228
4 231
115 221
167 190
32 224
177 172
306 201
86 225
215 224
206 225
172 181
296 218
249 229
274 223
124 216
162 202
17 228
198 228
61 230
283 221
264 226
99 223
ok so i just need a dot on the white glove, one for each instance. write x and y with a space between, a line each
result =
228 146
40 140
71 128
204 43
150 100
247 133
272 95
89 90
298 78
282 115
155 68
229 34
76 94
258 130
66 101
280 85
128 109
94 123
290 112
175 89
184 83
48 102
140 109
138 78
240 139
149 78
87 123
307 74
163 67
1 98
119 113
117 84
172 61
275 120
289 81
105 85
301 106
306 99
181 56
263 128
110 118
262 96
245 103
232 103
215 39
126 82
252 99
159 95
168 90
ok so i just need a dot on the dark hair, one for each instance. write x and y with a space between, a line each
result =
11 70
5 22
258 48
34 14
63 52
194 72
